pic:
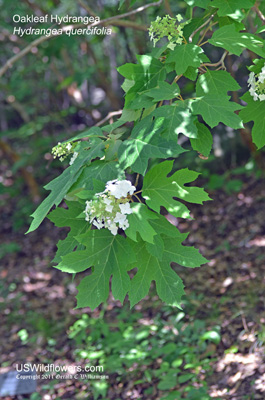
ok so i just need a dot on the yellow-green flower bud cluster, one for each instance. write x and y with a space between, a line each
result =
63 150
169 27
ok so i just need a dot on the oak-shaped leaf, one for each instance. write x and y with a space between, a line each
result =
215 109
216 82
111 256
160 190
184 56
169 285
150 268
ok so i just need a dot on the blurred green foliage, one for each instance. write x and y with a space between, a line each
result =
167 351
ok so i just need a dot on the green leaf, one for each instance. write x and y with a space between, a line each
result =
215 109
111 256
223 21
191 73
163 226
183 255
215 106
141 101
100 170
216 82
255 111
168 381
146 143
157 248
204 141
163 91
95 131
177 119
62 217
257 65
159 190
169 286
61 185
184 56
146 75
139 222
235 42
232 8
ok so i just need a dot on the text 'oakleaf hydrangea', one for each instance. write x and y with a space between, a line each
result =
257 85
110 208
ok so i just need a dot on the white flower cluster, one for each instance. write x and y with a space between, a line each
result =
257 86
111 207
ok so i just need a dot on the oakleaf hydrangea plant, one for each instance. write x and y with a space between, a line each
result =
120 186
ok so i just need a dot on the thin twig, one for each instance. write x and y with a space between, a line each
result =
201 44
259 13
200 27
137 198
136 180
109 116
42 39
168 8
177 78
87 8
220 62
127 24
205 31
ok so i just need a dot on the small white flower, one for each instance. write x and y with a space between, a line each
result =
262 97
251 79
253 94
120 189
109 208
73 158
125 208
113 228
125 225
262 77
69 146
107 201
120 218
98 224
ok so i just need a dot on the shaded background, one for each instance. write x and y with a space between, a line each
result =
215 347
